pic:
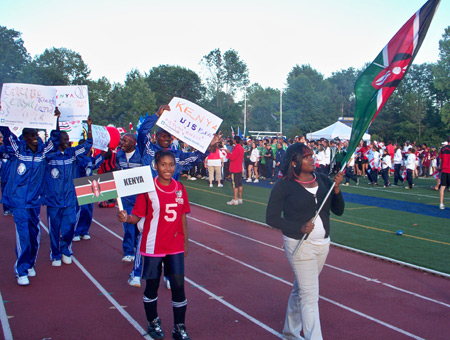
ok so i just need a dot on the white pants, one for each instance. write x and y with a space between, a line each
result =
303 305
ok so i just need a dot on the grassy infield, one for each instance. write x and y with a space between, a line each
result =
425 241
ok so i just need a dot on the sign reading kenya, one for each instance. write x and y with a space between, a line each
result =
73 102
190 123
26 105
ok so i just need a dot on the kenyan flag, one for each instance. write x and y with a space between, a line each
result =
95 188
380 79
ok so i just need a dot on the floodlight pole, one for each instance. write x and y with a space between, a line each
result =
281 112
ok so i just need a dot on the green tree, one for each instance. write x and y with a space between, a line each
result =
441 72
167 81
57 66
13 56
263 108
99 100
342 95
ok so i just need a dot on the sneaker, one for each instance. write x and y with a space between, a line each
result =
111 205
167 282
347 184
220 185
56 263
256 181
210 185
135 281
441 206
233 202
128 259
249 180
66 259
31 272
7 213
240 201
357 181
23 281
154 329
407 188
179 332
86 237
76 239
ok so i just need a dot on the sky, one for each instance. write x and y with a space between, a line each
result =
271 37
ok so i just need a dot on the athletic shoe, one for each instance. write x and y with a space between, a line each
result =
179 332
31 272
441 206
7 213
135 281
407 188
240 201
23 281
167 282
357 181
210 185
249 180
154 329
220 185
233 202
76 239
86 237
56 263
66 259
128 259
111 205
256 181
346 183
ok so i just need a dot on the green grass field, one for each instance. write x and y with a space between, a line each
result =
425 241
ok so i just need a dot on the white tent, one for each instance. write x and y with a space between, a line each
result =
337 129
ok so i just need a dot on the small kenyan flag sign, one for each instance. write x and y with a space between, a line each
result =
95 188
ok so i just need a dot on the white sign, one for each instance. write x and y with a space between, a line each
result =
26 105
73 102
100 137
134 181
190 123
73 128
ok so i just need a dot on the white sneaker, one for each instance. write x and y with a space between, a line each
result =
66 259
167 282
249 180
441 206
23 281
135 281
220 185
128 259
76 239
56 263
210 185
31 272
233 202
86 237
240 201
256 181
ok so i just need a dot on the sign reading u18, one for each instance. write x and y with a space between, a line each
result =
190 123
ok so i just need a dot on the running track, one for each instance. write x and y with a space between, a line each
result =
238 283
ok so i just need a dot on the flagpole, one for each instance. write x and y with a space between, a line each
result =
281 112
245 110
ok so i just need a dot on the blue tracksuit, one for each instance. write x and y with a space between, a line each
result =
4 173
24 193
61 199
85 166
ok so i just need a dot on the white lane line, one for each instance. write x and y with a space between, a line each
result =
122 311
330 266
237 310
5 323
399 330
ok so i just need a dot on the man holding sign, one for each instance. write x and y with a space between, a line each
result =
24 192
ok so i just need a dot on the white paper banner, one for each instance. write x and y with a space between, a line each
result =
26 105
73 128
134 181
73 102
100 137
190 123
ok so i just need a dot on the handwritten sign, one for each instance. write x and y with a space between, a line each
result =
26 105
73 128
100 137
190 123
73 102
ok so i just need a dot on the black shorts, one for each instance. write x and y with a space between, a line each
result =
236 179
445 179
152 266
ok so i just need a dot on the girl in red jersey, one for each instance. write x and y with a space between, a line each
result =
161 217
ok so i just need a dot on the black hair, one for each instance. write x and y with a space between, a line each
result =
29 131
162 153
237 139
161 130
294 153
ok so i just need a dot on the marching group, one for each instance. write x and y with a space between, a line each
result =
35 173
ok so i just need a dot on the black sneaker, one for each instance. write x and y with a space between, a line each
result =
154 329
179 332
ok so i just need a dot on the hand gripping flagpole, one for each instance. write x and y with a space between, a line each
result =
317 213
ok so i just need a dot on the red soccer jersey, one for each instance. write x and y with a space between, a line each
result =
444 157
161 223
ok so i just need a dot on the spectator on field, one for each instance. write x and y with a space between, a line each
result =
410 165
444 167
236 158
386 165
279 158
253 163
214 164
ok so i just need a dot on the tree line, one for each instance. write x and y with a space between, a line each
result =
419 110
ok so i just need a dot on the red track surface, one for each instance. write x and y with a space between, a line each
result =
238 283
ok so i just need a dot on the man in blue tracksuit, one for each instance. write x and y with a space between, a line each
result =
4 174
60 196
24 193
85 166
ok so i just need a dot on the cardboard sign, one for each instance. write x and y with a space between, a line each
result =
26 105
190 123
134 181
73 128
73 102
100 137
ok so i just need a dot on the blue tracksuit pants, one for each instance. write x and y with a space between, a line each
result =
61 224
85 220
130 235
